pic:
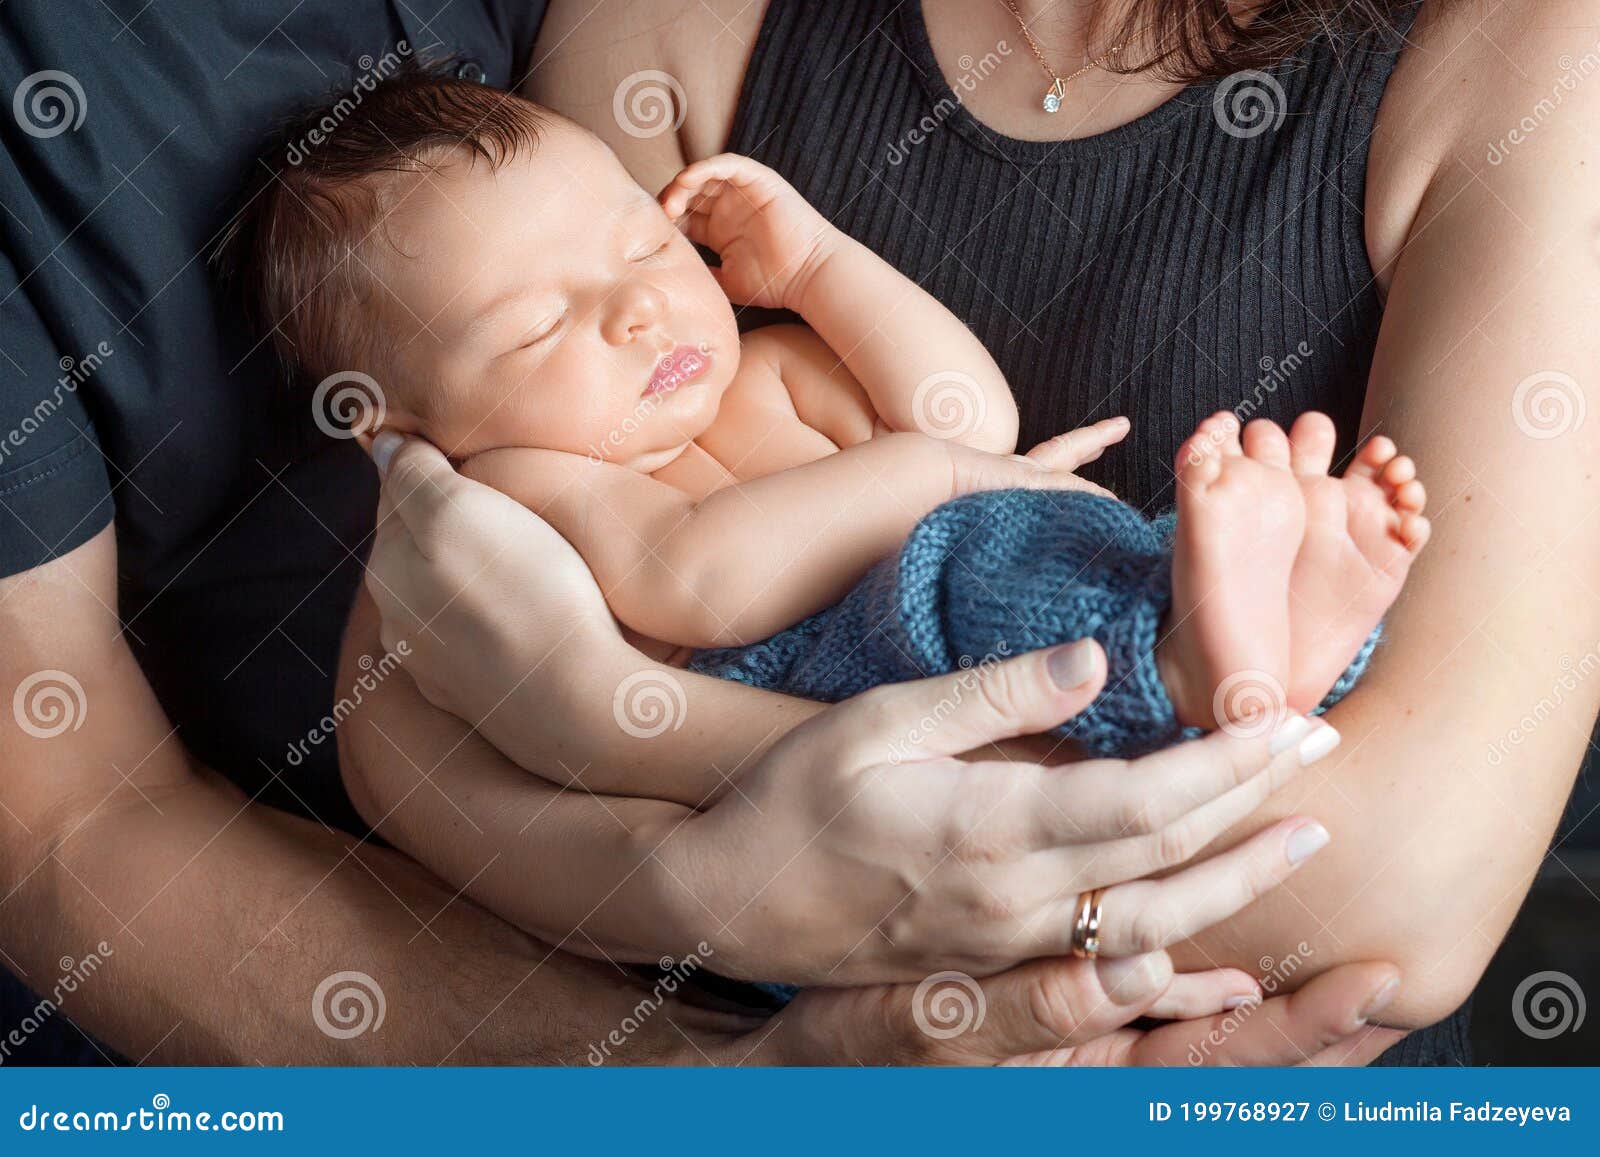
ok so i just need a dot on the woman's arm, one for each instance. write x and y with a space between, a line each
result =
1464 739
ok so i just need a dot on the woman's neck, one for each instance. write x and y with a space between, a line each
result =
1069 34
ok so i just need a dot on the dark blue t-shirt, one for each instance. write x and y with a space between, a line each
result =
130 386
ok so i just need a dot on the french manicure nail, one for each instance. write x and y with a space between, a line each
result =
383 448
1305 841
1319 743
1071 665
1380 999
1290 732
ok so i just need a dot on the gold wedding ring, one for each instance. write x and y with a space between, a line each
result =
1086 928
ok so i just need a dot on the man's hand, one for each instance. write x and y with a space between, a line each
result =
1069 1012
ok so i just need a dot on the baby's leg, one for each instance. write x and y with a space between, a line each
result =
1226 646
1362 532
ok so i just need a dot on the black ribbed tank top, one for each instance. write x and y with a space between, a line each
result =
1209 255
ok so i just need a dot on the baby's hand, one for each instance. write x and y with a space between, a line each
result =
770 239
977 470
1079 447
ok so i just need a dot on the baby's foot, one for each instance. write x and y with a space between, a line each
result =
1362 531
1226 645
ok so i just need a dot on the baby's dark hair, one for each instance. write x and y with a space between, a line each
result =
318 196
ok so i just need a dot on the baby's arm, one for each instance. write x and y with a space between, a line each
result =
921 367
756 557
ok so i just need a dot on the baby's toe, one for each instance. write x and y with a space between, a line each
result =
1410 497
1398 472
1311 443
1372 458
1266 442
1415 531
1199 459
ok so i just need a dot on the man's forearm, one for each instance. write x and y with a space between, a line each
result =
224 922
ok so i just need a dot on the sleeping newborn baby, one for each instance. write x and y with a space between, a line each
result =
531 310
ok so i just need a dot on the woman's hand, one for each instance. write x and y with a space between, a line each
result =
862 849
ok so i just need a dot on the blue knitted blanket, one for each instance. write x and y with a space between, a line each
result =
992 575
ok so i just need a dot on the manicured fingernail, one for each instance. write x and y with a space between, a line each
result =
1290 732
383 448
1132 979
1305 841
1380 999
1321 741
1071 665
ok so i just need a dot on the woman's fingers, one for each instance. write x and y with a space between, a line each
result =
1145 915
1285 1030
955 713
1111 799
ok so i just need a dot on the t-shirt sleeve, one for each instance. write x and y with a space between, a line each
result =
55 493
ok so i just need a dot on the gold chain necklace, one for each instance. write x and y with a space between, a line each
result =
1058 84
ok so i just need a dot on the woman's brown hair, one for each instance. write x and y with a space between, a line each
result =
1188 40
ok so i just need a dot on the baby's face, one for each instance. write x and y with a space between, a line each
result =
550 303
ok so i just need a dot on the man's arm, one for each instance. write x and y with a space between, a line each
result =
223 917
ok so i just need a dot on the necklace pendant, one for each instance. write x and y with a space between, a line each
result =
1053 95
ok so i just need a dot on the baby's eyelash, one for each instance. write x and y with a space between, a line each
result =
657 251
544 331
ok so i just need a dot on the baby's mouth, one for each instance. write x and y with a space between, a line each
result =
683 364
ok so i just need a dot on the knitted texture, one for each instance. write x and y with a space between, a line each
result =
993 575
